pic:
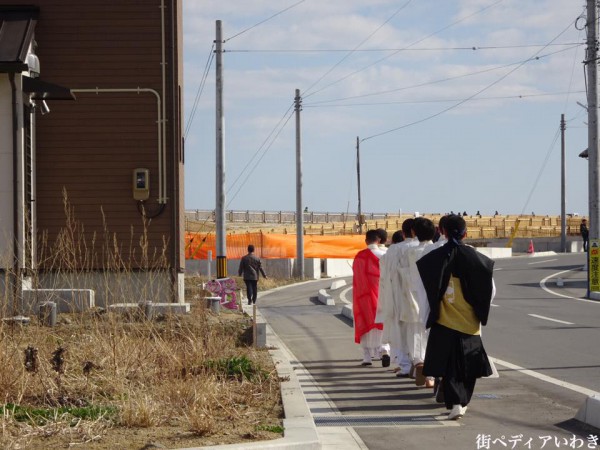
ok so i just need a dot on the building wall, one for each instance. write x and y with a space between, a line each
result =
87 149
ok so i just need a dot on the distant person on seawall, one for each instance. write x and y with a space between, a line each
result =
585 234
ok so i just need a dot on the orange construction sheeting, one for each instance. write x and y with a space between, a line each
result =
274 246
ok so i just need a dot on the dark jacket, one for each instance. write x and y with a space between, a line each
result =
583 229
472 268
250 266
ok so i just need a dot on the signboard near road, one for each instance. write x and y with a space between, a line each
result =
594 265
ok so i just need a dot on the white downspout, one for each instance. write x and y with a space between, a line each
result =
160 137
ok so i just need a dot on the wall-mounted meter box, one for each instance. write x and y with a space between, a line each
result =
141 184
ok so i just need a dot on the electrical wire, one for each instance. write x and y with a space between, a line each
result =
306 91
572 74
200 90
415 102
263 21
441 80
539 175
408 46
260 159
456 105
260 148
380 50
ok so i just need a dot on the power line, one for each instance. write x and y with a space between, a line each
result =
380 50
260 159
439 113
306 91
261 147
199 91
408 46
265 20
539 175
428 83
411 102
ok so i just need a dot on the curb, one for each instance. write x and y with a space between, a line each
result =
300 431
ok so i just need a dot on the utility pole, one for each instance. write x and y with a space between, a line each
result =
591 62
299 212
220 178
360 230
563 209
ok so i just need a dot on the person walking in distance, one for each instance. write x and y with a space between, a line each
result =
250 269
460 289
585 234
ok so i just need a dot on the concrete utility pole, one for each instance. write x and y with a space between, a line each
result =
591 62
220 178
563 204
358 179
299 211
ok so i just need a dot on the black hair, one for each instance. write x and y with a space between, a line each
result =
397 237
456 227
424 229
250 248
383 235
407 227
371 236
442 223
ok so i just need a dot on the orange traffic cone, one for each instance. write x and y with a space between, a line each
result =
531 249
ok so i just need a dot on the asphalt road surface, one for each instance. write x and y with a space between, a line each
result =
542 334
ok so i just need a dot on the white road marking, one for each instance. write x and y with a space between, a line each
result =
553 320
343 296
550 291
494 304
540 376
545 261
497 269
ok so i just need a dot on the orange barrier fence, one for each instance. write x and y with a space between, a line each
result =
272 246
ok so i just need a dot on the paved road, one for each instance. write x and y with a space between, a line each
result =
532 328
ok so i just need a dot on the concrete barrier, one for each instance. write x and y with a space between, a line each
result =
325 298
338 267
590 411
67 300
347 312
337 284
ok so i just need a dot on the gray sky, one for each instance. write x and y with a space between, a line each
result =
457 104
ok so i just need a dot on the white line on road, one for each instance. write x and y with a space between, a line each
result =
497 269
343 296
540 376
549 291
553 320
545 261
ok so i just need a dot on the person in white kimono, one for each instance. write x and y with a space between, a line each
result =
401 266
417 305
386 307
442 230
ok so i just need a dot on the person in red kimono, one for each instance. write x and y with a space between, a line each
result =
365 293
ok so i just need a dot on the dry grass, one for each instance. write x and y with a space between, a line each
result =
104 380
192 374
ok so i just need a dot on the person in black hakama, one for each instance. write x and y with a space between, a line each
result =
460 288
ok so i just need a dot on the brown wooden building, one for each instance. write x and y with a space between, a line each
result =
97 182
